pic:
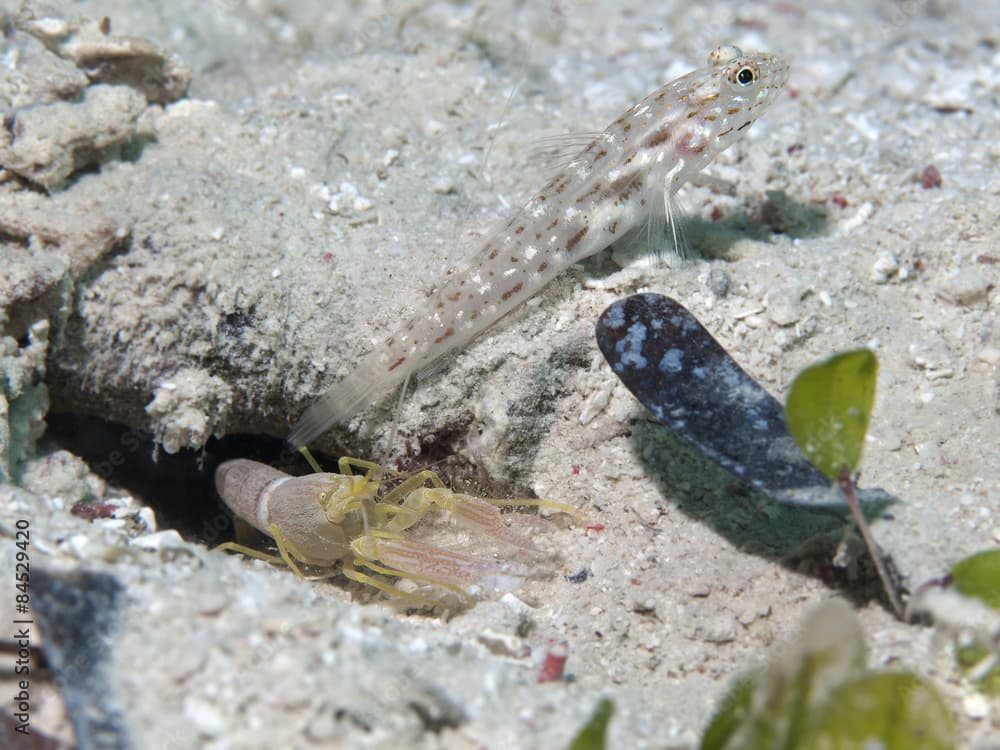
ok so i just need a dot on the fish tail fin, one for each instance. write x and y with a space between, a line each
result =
337 405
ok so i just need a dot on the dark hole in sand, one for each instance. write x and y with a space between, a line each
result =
180 487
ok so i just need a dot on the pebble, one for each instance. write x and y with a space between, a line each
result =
52 27
349 201
884 268
204 716
859 217
160 540
930 177
147 518
78 544
362 204
642 602
502 644
323 726
750 614
953 91
975 707
966 287
718 282
720 629
892 442
647 510
516 605
933 356
443 185
596 402
784 307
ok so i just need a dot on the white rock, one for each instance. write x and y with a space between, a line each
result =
884 268
990 355
966 287
596 402
204 716
515 604
160 540
784 307
976 706
146 517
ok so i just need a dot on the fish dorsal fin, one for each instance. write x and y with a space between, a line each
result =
556 152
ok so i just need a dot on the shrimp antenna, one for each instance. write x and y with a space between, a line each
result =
396 414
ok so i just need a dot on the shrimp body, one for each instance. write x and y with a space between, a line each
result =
326 518
625 177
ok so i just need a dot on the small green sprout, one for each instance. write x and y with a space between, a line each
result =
828 410
971 660
592 735
817 694
891 710
977 577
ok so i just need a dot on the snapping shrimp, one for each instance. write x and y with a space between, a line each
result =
323 519
628 175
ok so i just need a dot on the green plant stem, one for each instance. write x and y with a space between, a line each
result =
846 485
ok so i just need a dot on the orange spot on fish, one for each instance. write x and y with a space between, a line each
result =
575 239
444 335
512 291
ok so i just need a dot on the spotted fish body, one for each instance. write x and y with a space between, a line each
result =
625 177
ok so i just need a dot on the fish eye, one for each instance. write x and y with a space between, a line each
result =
746 76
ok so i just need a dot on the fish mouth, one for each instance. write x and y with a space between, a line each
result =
777 72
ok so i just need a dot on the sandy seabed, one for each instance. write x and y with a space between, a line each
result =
198 243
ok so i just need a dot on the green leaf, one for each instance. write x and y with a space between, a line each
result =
970 658
978 576
888 710
592 735
816 695
775 707
828 410
734 713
